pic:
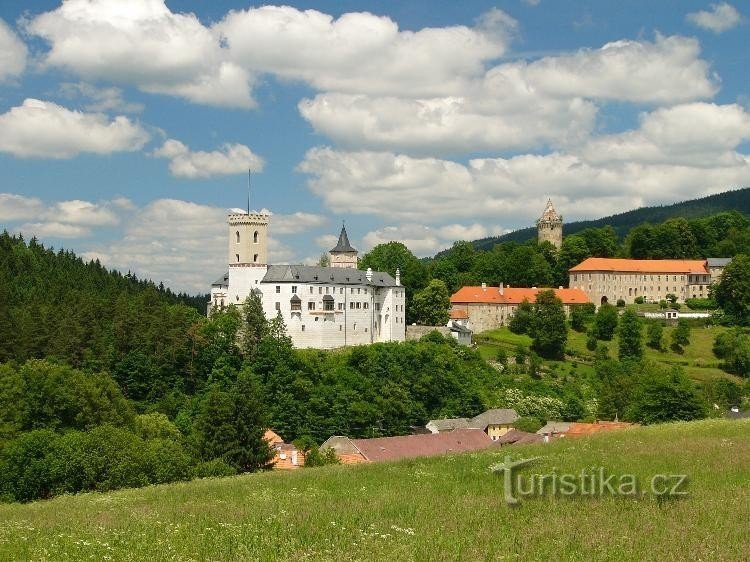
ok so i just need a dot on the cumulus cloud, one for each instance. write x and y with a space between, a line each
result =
362 52
229 159
720 18
54 230
518 105
13 53
47 130
143 43
100 100
425 240
82 213
295 222
17 207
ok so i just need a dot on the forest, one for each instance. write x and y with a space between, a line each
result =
109 381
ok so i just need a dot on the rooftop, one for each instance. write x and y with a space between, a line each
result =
343 245
426 445
549 213
514 295
641 266
335 275
718 262
496 416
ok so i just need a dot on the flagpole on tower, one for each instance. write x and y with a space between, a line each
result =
248 191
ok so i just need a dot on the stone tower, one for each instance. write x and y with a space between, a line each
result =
248 239
343 255
549 226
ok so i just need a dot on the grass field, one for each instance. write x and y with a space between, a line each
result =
697 359
448 508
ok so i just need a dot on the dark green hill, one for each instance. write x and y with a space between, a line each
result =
738 200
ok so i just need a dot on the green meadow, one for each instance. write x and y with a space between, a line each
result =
447 508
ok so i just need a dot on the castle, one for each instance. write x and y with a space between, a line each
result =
322 307
549 226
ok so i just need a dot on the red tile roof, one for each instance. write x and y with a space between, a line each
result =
642 266
272 438
513 295
580 428
426 445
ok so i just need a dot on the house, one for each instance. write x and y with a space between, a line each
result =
322 307
460 332
285 455
517 437
578 429
381 449
495 423
612 279
486 308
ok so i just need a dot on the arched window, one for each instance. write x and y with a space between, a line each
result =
238 237
255 237
255 258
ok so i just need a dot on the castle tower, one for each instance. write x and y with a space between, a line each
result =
549 226
248 239
343 255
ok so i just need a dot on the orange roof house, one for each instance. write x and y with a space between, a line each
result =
489 307
285 455
579 429
613 279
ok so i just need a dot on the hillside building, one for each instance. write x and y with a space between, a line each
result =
611 279
323 307
487 308
550 226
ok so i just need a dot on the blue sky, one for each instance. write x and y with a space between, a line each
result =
126 128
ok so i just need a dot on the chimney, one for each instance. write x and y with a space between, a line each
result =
369 275
502 289
560 287
533 287
484 286
398 276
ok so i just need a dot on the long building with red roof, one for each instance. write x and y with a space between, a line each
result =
612 279
489 307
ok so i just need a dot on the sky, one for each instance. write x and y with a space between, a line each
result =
127 129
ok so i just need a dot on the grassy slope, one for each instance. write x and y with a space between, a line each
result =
697 359
440 509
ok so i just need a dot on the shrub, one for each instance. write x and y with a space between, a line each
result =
213 469
663 304
529 424
523 319
605 322
700 304
433 336
638 300
733 346
320 457
655 335
620 303
24 470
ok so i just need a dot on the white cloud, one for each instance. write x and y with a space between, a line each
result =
295 222
17 207
362 52
141 42
54 230
518 105
82 213
47 130
230 159
720 18
13 53
101 100
425 240
326 242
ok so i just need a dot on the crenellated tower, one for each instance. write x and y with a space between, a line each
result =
248 239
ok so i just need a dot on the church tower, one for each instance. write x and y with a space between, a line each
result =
343 255
248 239
549 226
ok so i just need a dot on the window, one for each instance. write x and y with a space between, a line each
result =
294 289
327 288
359 305
355 326
340 327
341 306
303 327
238 257
328 305
278 289
255 258
359 290
295 306
341 290
255 237
320 290
311 290
365 329
316 318
366 305
238 237
311 305
351 305
277 306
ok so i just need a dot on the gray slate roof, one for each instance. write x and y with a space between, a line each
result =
221 281
496 416
335 275
554 427
456 327
343 244
718 262
449 424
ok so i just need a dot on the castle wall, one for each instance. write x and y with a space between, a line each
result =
630 285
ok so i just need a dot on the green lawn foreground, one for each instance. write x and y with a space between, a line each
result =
448 508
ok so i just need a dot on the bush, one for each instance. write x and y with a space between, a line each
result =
213 469
663 304
166 461
24 468
605 322
675 306
701 304
655 335
733 346
638 300
523 319
320 457
529 424
620 303
433 336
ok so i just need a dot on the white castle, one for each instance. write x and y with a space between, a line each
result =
323 307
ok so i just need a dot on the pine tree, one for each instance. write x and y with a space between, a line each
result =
251 451
655 336
255 325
